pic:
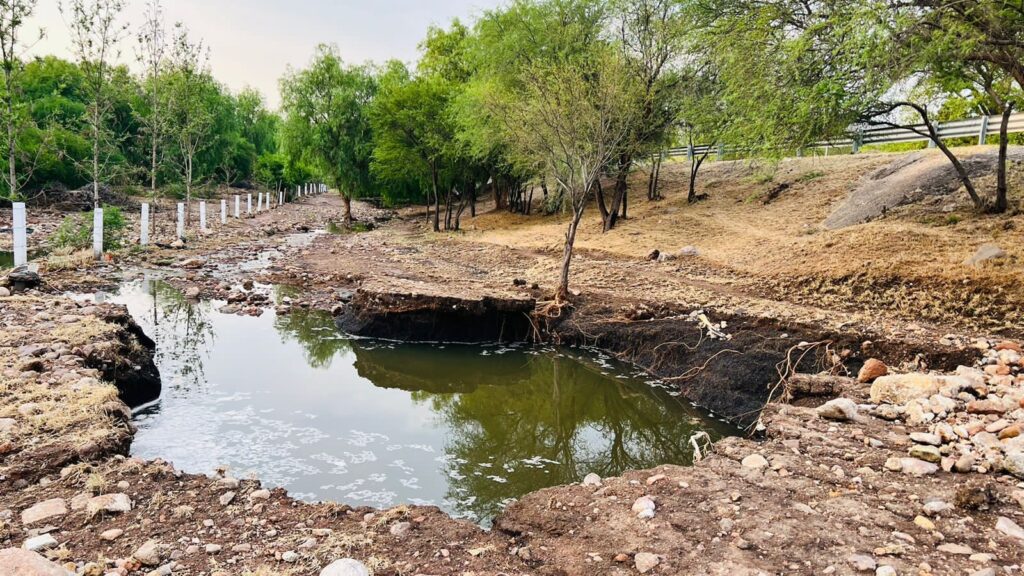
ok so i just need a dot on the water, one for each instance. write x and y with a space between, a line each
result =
6 260
466 428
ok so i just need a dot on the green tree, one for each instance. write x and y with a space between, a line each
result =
13 14
327 124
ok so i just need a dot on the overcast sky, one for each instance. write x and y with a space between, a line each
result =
252 42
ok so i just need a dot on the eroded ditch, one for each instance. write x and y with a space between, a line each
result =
288 399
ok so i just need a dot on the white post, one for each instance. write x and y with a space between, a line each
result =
223 211
144 225
20 235
181 221
280 198
202 215
248 204
259 201
97 233
238 202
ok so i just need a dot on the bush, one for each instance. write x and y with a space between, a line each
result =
75 232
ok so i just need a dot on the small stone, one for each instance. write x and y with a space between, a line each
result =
985 407
1010 528
984 572
916 467
926 438
985 253
111 535
399 528
1013 463
871 371
644 507
885 571
862 562
958 549
345 567
926 453
937 507
110 503
925 523
213 548
290 556
755 461
902 388
44 510
259 495
655 479
149 553
39 543
591 480
241 548
840 409
226 498
645 562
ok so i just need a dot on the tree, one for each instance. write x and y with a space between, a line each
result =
327 122
151 55
13 14
572 120
95 33
190 88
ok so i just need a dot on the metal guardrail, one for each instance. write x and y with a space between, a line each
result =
980 127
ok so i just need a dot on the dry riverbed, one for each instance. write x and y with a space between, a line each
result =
904 474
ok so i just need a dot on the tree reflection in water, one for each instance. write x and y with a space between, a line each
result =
526 420
181 329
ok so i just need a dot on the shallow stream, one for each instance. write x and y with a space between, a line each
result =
467 428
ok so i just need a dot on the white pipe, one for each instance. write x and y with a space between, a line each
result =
181 221
97 233
144 225
202 215
20 235
238 202
223 211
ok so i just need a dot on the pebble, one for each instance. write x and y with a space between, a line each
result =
644 507
926 453
885 571
345 567
871 371
1010 528
862 562
226 498
149 553
213 548
840 409
290 556
591 480
44 510
110 503
260 495
399 528
39 543
645 562
111 535
951 548
755 461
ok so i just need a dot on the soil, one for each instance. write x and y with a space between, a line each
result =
766 283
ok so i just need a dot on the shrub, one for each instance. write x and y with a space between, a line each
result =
75 232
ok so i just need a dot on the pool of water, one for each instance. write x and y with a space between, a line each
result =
466 428
6 260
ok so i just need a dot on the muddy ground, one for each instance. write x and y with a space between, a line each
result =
803 495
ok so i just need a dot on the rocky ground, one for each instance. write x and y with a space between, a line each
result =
902 471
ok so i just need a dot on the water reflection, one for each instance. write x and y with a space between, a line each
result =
463 427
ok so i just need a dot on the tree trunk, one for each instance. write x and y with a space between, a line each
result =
499 198
695 163
600 200
652 181
621 186
1001 203
562 295
472 199
346 202
188 191
625 203
437 199
961 172
12 173
95 164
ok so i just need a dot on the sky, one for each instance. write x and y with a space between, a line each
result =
252 42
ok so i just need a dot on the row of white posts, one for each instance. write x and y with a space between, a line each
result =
263 201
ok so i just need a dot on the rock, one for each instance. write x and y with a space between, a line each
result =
345 567
926 438
654 255
872 370
926 453
23 278
936 507
41 542
241 548
399 528
755 461
985 407
213 548
645 562
1010 528
226 498
644 507
885 571
111 535
20 562
591 480
985 253
915 467
840 409
862 562
1013 464
958 549
902 388
984 572
4 292
110 503
259 495
290 556
43 510
192 292
149 554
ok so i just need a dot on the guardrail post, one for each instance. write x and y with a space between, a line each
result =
181 221
144 225
248 204
983 131
202 215
97 233
20 235
721 152
223 211
238 203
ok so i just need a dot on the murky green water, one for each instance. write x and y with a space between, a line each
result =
466 428
6 260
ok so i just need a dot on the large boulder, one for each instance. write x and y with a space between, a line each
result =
19 562
902 388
